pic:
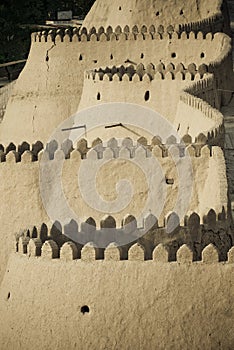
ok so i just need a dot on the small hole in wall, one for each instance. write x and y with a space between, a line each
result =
173 55
47 58
120 8
157 13
84 309
8 296
181 12
147 96
95 61
80 58
169 181
98 96
202 55
111 57
142 55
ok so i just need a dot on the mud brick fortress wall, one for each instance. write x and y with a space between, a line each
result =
56 90
199 307
23 166
66 283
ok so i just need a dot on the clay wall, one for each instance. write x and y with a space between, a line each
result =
5 93
142 86
55 239
23 206
157 304
54 93
153 12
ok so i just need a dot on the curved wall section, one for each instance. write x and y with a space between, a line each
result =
135 12
49 89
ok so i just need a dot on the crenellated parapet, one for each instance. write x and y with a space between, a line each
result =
210 24
203 106
194 241
135 161
198 88
200 30
140 72
113 148
201 93
137 252
24 152
118 34
203 96
213 241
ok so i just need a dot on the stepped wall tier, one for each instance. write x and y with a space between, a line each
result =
25 169
58 65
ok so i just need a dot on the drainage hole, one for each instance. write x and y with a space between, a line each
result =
84 309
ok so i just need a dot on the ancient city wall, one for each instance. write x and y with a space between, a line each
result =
134 91
99 239
54 93
20 184
75 302
69 283
152 87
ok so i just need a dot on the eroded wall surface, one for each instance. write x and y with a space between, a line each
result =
132 305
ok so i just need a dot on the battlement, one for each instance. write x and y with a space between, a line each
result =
183 32
133 232
202 95
137 252
58 241
210 24
202 85
197 235
126 148
202 106
134 161
198 88
148 73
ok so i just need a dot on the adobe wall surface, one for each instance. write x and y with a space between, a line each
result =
132 305
189 118
134 12
5 93
96 92
49 88
23 201
144 302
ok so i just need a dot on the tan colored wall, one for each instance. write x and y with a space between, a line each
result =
22 205
146 12
164 99
134 92
133 305
194 120
5 93
48 92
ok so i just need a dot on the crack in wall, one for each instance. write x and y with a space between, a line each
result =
198 8
47 56
33 119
